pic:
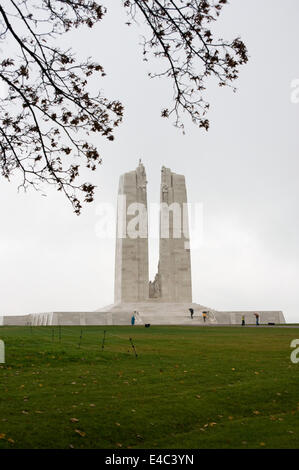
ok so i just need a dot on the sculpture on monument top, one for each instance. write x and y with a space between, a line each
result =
155 287
164 184
141 176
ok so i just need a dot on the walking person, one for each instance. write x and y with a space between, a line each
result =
133 319
243 320
204 316
257 317
191 312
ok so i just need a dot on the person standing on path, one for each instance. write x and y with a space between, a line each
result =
133 319
257 317
204 316
191 312
243 320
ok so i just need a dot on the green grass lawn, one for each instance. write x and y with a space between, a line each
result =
189 387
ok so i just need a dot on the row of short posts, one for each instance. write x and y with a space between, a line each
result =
81 336
130 339
59 334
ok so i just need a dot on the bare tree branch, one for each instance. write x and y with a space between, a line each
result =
49 108
180 34
48 115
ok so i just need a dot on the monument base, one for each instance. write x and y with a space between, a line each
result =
151 312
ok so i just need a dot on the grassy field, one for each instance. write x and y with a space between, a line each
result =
188 387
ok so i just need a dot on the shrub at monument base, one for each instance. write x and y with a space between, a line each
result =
187 388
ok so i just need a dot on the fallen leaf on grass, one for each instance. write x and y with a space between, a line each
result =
81 433
74 420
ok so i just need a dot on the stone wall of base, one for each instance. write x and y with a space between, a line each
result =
153 313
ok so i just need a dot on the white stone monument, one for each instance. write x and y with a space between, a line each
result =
131 252
174 270
167 299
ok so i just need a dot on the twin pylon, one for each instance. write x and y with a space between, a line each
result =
173 279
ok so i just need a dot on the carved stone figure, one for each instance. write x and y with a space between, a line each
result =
141 176
155 287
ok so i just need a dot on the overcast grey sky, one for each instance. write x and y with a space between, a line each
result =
244 171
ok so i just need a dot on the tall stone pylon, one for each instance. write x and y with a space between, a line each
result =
131 254
173 281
